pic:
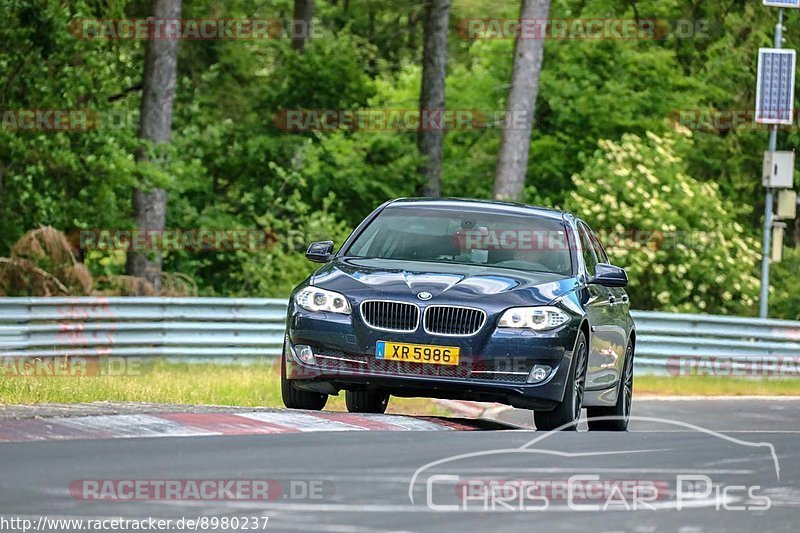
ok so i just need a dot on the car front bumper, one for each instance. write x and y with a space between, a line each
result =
494 365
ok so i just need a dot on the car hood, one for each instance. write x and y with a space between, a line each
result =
368 278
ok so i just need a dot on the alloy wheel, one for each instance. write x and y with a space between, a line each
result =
579 382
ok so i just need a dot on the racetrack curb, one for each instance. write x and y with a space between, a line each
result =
199 424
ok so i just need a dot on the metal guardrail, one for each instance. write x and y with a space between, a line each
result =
665 340
254 327
141 327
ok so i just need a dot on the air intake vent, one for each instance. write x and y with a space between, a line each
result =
453 321
390 316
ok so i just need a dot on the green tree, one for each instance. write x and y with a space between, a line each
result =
676 236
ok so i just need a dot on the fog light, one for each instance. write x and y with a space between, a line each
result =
539 373
305 353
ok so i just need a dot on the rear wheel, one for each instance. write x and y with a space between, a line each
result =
568 412
366 401
620 413
294 398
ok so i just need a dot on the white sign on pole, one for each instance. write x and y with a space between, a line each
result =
775 88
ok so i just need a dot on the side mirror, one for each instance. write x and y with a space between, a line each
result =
320 252
609 276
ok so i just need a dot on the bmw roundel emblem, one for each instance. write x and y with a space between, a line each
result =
424 296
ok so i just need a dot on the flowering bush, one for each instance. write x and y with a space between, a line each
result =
676 235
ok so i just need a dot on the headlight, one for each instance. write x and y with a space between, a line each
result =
535 318
316 299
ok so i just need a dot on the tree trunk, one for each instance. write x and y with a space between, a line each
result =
2 174
509 178
431 102
411 29
155 126
302 23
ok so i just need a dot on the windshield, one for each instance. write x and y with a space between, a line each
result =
447 235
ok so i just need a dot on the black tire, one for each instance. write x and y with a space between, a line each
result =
366 401
294 398
621 411
568 412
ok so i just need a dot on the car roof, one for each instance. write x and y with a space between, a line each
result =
496 206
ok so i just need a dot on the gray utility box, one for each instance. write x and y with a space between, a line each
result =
778 170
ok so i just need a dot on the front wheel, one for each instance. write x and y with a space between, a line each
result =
294 398
616 417
566 414
366 401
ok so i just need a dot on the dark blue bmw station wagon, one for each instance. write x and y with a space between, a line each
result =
462 299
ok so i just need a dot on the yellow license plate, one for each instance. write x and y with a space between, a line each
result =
417 353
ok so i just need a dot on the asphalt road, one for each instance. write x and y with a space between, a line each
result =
362 481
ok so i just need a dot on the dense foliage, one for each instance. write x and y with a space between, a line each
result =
608 130
698 258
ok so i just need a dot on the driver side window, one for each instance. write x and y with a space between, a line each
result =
586 249
598 248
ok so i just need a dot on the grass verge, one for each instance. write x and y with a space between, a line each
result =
254 385
258 385
716 386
